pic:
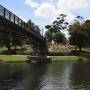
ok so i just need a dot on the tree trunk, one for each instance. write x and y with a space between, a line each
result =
80 48
9 48
15 48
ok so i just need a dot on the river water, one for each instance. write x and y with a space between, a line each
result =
51 76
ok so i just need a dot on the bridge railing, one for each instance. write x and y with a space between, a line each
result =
13 18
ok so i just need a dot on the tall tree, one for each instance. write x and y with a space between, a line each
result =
31 25
58 25
78 36
5 39
37 28
86 28
61 22
48 35
59 37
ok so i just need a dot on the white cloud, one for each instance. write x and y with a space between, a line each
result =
72 5
88 18
49 10
32 3
46 10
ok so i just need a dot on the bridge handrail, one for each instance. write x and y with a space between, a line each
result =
15 19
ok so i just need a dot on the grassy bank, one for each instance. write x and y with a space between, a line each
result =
13 58
67 58
22 58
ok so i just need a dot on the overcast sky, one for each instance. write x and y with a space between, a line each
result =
43 12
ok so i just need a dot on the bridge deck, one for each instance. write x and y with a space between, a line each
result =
7 16
9 22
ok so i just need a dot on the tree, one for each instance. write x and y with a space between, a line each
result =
60 22
86 28
52 28
48 36
17 40
59 37
9 39
31 25
78 36
58 25
5 39
37 28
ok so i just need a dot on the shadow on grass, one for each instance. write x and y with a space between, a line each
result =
8 52
22 51
13 51
85 54
56 54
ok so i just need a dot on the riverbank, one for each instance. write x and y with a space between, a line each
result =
13 58
23 58
67 58
20 55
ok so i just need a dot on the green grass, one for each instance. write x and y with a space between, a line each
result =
13 57
23 58
28 51
25 51
67 58
3 49
86 49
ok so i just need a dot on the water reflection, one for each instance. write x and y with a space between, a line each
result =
57 76
52 76
80 76
10 75
20 76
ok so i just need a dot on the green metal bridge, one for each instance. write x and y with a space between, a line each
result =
11 23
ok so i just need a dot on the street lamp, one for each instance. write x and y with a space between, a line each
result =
42 32
53 44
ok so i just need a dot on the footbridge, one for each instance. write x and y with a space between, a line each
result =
11 23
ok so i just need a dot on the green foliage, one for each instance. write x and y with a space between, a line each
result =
38 29
59 37
10 39
48 36
5 39
48 26
16 40
78 36
52 28
33 27
86 28
58 25
54 31
60 22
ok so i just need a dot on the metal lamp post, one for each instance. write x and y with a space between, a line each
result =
53 45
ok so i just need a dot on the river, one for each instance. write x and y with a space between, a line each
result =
73 75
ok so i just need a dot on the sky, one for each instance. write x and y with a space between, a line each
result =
43 12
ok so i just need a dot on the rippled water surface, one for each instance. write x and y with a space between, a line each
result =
52 76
